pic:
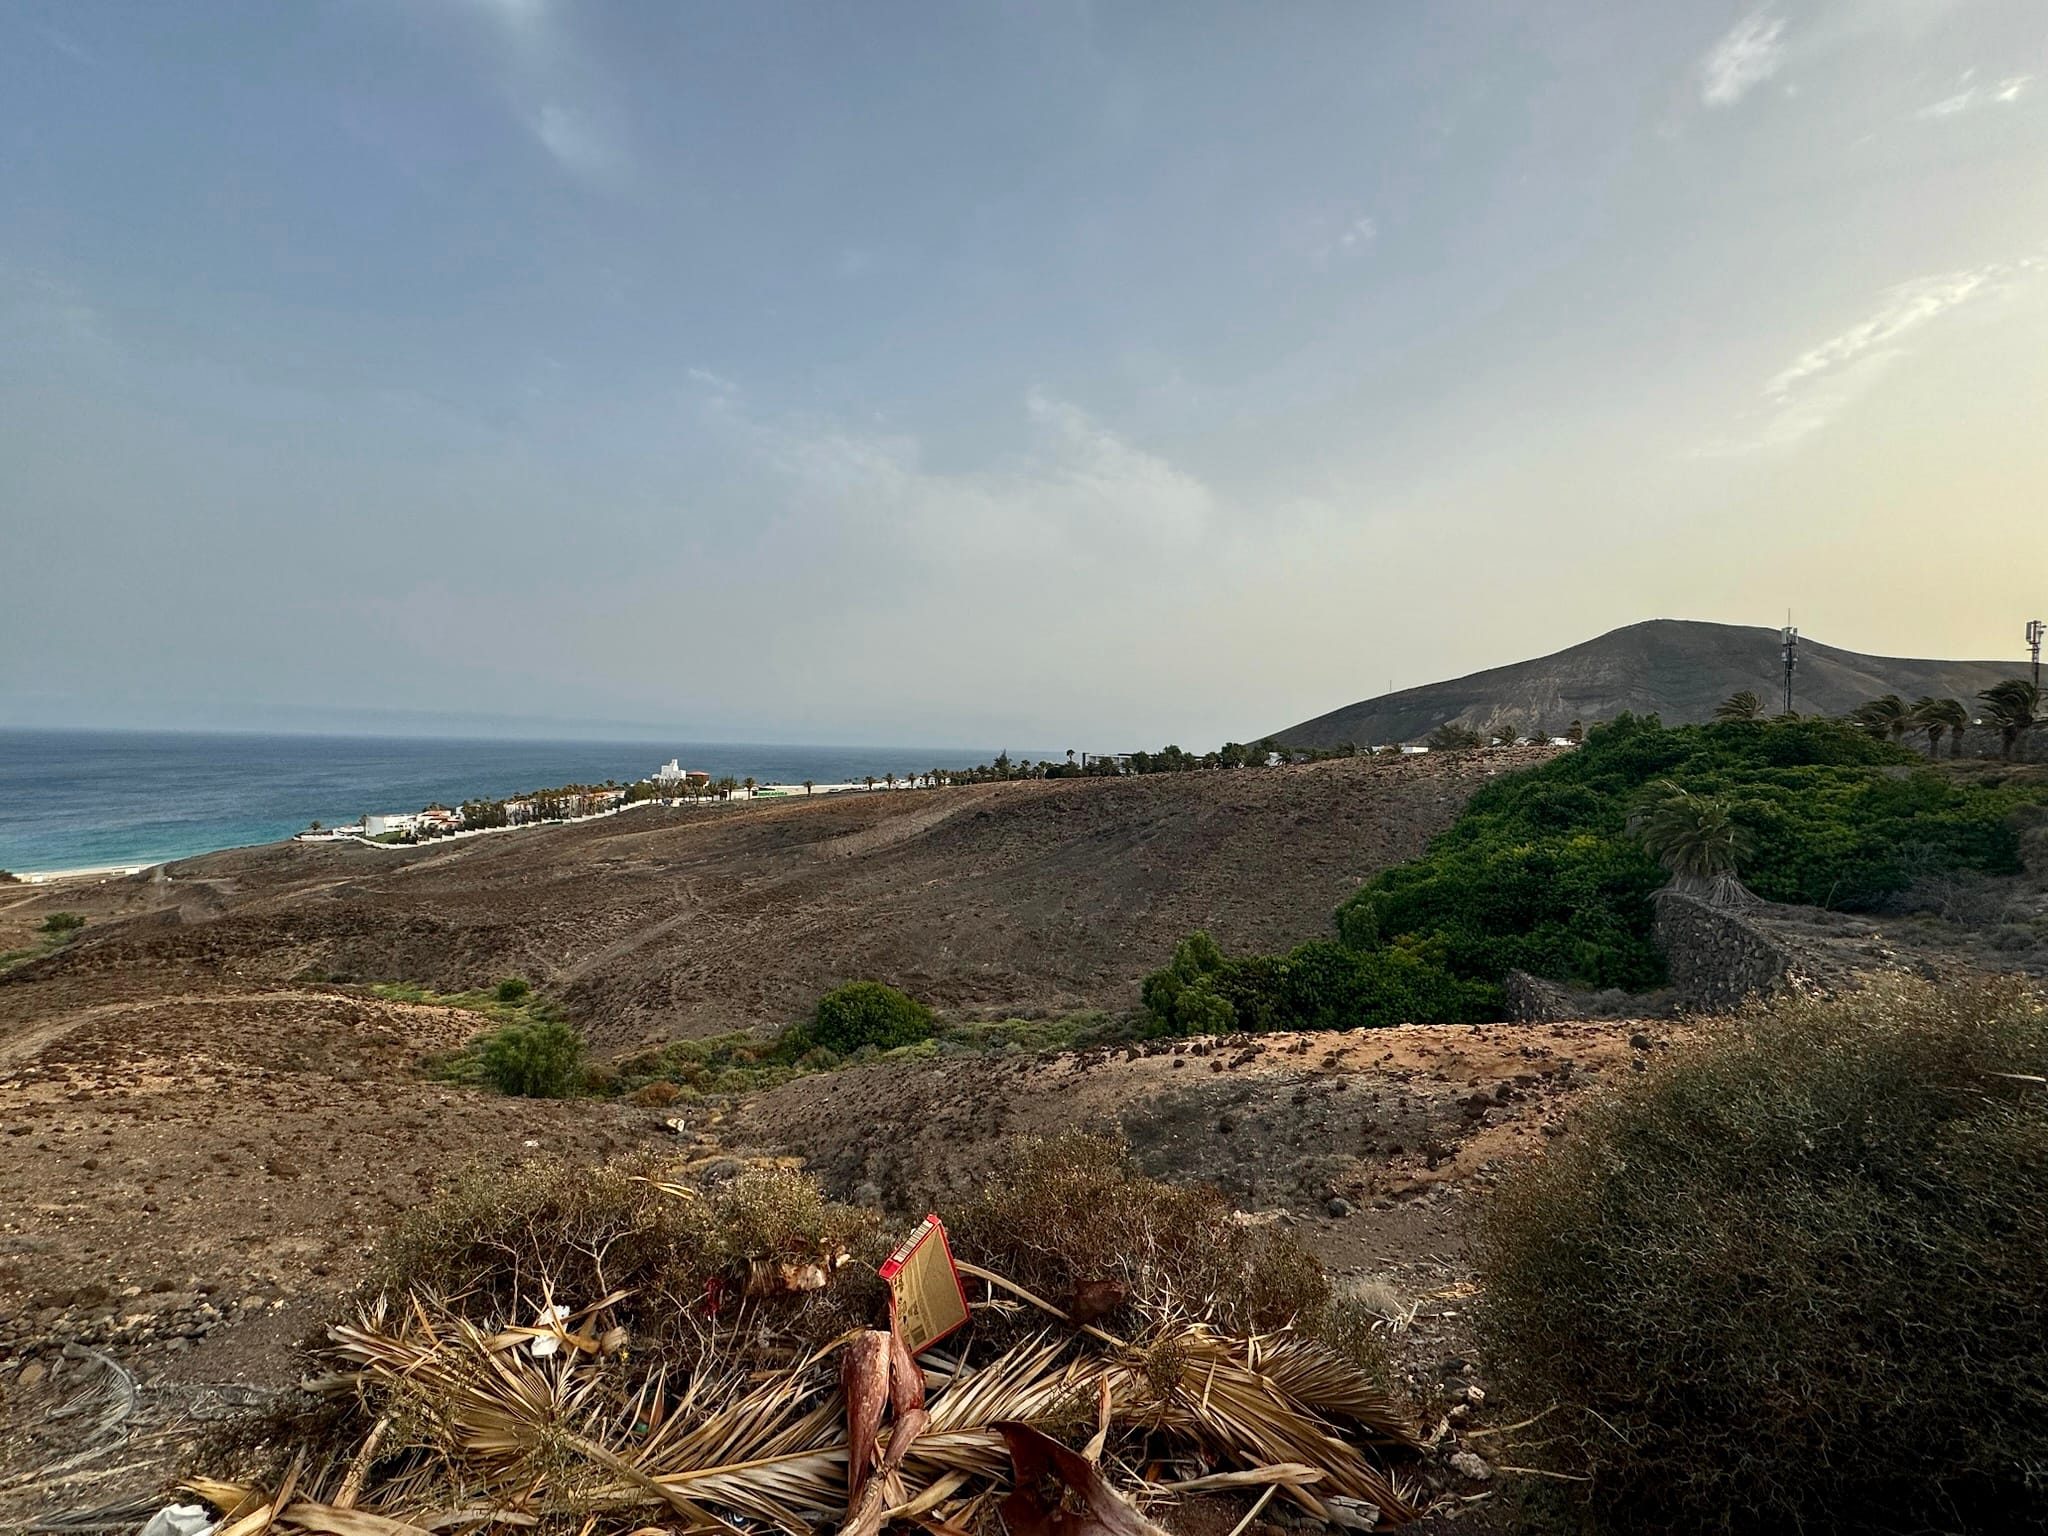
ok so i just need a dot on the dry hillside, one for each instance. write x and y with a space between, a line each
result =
1677 668
658 923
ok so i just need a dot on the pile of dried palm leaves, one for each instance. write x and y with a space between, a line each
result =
436 1421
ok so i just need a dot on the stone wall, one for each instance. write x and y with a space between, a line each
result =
1717 955
1532 1000
1982 742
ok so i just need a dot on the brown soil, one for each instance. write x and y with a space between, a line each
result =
200 1142
658 922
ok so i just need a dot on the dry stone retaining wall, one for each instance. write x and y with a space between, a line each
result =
1717 956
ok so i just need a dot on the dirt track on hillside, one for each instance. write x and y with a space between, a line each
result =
661 922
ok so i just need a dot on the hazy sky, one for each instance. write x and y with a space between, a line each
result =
1051 373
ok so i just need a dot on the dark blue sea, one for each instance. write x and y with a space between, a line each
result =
86 799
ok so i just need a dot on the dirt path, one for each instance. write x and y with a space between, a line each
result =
29 1042
640 938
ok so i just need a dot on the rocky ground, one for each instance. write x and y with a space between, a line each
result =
201 1136
664 922
200 1178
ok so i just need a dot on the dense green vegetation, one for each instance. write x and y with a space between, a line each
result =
864 1013
1320 985
57 930
1794 1281
1543 871
533 1053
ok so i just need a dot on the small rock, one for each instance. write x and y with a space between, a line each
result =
1639 1042
1466 1465
1340 1207
32 1374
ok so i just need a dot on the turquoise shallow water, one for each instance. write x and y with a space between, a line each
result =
80 799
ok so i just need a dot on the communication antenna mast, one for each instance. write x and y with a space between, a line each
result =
2034 632
1791 647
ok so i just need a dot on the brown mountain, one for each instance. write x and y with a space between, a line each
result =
1677 668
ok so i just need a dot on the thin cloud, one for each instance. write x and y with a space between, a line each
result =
65 44
578 144
523 20
1076 488
1821 383
2004 93
547 76
1750 53
717 387
1356 234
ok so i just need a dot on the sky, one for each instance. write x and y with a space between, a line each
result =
1082 374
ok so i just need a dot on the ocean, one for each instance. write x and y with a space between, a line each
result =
89 799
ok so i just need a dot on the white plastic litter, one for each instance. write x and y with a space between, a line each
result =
548 1343
180 1520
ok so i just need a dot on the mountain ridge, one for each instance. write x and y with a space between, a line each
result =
1679 669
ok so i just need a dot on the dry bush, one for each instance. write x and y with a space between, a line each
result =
1797 1280
499 1244
694 1399
1074 1209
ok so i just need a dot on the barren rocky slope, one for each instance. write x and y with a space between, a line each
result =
658 923
1677 668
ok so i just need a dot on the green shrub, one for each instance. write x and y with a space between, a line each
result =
1539 872
868 1013
512 990
1798 1280
1319 985
58 924
532 1059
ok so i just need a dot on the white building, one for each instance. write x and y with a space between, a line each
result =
670 772
380 826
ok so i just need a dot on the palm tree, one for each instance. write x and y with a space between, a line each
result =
871 781
807 786
1934 716
1888 715
2013 706
890 778
1740 706
1695 838
749 782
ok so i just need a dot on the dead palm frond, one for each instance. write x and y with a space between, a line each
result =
467 1418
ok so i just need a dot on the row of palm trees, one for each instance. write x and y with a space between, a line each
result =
2012 707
